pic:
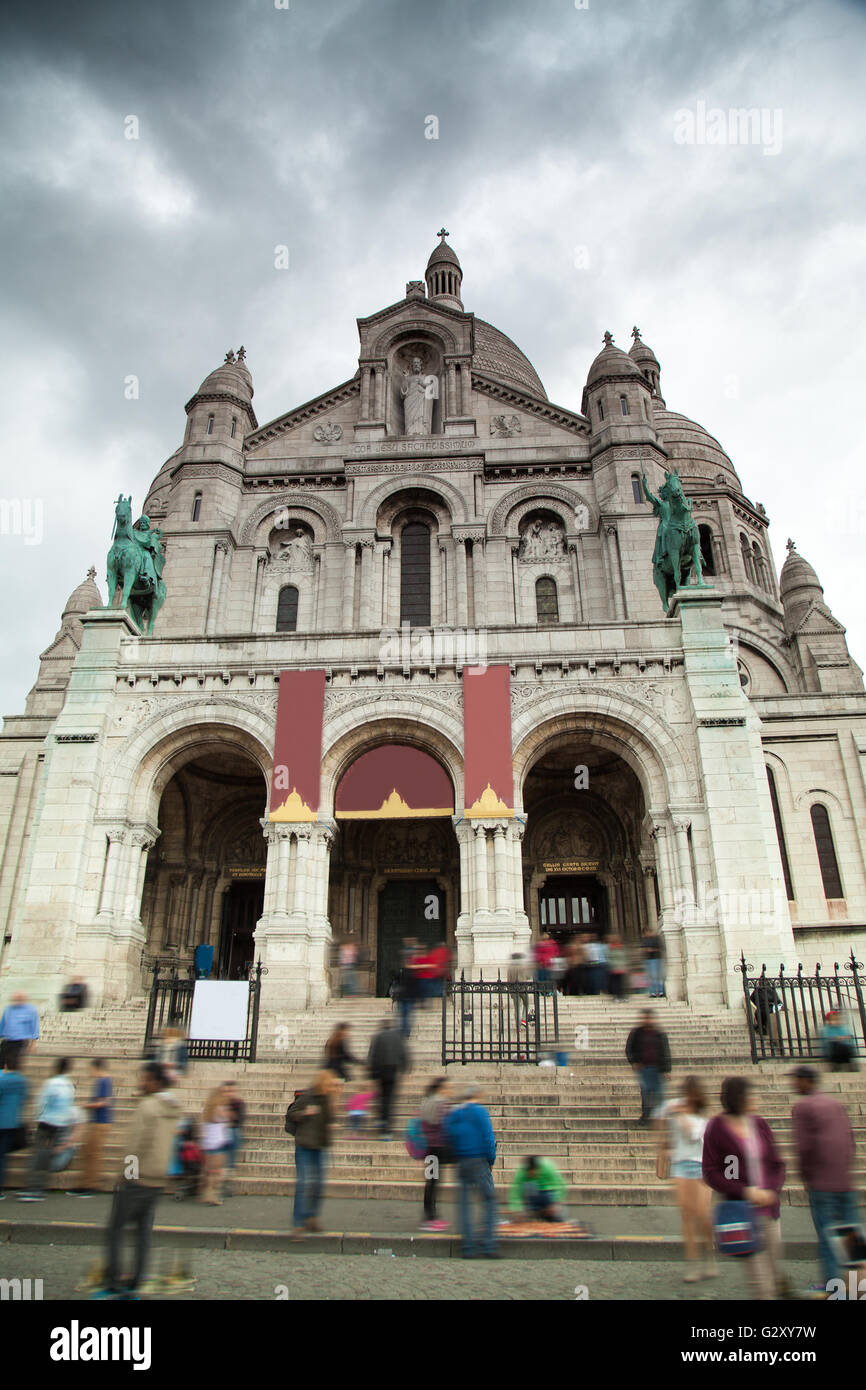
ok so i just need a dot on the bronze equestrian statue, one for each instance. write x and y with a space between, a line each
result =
135 563
677 553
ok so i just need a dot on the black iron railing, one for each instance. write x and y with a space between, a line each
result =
170 1006
498 1020
787 1014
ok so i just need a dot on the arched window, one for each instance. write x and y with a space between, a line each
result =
623 404
635 488
600 411
196 506
546 602
210 424
234 425
708 560
826 852
287 609
780 835
415 574
760 567
748 562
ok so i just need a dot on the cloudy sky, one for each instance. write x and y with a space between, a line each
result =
559 168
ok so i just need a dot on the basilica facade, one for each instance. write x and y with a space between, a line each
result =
412 676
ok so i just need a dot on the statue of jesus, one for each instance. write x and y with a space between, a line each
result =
419 391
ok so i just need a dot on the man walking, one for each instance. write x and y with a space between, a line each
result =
648 1052
148 1149
56 1116
387 1058
19 1028
653 954
825 1153
469 1134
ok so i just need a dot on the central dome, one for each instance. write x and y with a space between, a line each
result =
498 357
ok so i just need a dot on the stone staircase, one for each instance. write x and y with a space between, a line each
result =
582 1115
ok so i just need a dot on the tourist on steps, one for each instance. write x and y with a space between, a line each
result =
435 1108
56 1115
19 1028
537 1191
469 1135
338 1058
649 1054
825 1155
96 1131
214 1143
13 1099
310 1118
146 1157
681 1124
741 1161
387 1059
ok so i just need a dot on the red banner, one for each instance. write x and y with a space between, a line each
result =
488 769
394 782
298 746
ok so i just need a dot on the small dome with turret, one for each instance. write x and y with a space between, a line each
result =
444 275
799 586
85 597
232 379
611 364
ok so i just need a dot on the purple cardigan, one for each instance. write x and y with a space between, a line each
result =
722 1143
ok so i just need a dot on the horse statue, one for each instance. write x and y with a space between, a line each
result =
677 551
135 563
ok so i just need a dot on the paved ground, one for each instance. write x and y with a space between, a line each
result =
222 1275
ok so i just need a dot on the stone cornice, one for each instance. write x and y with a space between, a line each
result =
218 397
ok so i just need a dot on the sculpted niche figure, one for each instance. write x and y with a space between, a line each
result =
298 552
419 390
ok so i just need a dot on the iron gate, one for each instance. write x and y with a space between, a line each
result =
786 1013
170 1006
498 1020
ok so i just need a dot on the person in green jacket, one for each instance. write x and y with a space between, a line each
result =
537 1189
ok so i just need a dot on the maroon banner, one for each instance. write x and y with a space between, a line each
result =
298 746
394 782
488 769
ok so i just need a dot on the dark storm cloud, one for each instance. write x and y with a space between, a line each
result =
305 126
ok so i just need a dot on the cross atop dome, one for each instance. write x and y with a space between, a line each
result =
442 234
443 275
608 339
635 333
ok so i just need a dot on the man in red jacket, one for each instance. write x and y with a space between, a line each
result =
825 1153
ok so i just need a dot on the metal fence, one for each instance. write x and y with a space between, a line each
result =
787 1013
170 1006
498 1020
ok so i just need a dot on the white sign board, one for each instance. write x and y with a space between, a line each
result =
219 1011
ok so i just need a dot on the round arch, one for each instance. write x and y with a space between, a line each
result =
346 747
650 750
327 525
411 328
408 482
511 509
146 764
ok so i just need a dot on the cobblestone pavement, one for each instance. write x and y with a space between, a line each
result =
222 1274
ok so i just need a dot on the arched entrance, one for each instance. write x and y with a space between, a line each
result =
394 867
582 858
205 876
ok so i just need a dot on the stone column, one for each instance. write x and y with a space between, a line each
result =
465 388
294 943
214 614
453 406
515 582
443 583
386 584
575 579
256 623
501 870
659 834
614 577
479 575
650 892
365 392
368 593
462 583
140 842
681 835
480 904
348 586
113 872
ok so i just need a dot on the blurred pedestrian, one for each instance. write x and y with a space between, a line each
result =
617 971
387 1059
74 996
825 1147
653 954
96 1131
741 1161
348 961
435 1107
836 1040
648 1052
310 1118
19 1028
14 1089
214 1142
537 1190
544 954
519 979
596 954
681 1124
469 1135
56 1115
172 1054
338 1056
237 1114
147 1150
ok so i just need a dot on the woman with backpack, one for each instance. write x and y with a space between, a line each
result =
742 1162
338 1058
310 1119
435 1107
